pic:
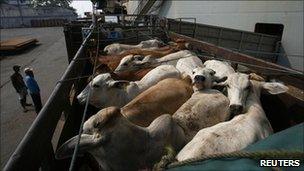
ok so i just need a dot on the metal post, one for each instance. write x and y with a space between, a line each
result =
241 41
220 36
259 45
20 12
194 30
179 25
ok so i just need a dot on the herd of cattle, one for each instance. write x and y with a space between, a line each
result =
173 100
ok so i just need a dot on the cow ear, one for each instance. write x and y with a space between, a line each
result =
148 58
188 46
218 80
118 84
171 43
221 82
275 87
256 77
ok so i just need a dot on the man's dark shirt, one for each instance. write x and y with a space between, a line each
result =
18 82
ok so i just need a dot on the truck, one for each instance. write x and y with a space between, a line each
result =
36 149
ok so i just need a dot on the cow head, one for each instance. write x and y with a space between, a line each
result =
238 86
203 78
101 90
117 144
132 61
112 49
151 43
109 137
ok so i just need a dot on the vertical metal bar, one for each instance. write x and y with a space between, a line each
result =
220 37
241 41
277 50
259 46
194 30
179 26
20 12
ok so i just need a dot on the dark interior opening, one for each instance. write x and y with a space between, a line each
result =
279 115
269 28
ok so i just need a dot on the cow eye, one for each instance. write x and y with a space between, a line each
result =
140 58
96 125
193 72
96 86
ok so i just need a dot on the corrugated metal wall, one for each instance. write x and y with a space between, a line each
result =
12 17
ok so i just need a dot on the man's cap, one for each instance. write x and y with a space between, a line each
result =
28 69
15 67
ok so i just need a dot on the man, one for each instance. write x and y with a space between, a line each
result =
33 89
19 85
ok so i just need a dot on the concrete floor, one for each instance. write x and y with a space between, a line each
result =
49 61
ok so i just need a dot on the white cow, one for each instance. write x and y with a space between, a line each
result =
237 86
205 108
108 92
184 60
239 132
117 48
222 69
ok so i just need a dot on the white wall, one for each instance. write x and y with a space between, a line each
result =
244 15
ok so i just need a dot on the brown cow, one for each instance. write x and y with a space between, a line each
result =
164 97
113 60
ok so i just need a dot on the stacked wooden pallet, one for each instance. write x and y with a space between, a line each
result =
16 43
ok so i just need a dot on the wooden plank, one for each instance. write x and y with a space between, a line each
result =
16 43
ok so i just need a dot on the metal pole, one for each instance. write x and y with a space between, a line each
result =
20 12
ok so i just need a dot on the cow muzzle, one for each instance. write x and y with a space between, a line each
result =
199 78
235 110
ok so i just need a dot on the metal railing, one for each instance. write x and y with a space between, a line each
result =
259 45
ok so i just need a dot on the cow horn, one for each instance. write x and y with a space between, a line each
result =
256 77
86 142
